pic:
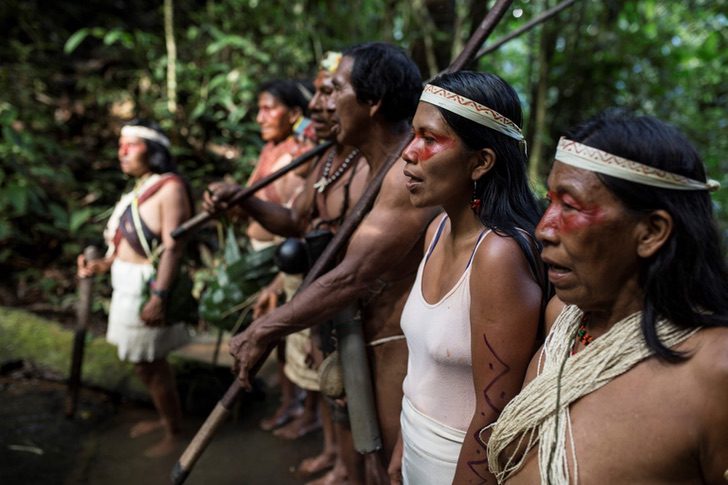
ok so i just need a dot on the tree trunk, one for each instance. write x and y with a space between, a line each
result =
434 21
539 100
171 56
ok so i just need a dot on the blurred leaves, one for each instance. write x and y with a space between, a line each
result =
232 283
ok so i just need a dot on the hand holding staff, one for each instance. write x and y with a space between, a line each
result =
83 309
201 218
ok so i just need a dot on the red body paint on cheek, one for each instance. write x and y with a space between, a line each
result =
573 218
429 150
579 220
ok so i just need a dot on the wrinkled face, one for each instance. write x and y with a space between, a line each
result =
321 111
132 153
438 166
276 120
350 115
590 240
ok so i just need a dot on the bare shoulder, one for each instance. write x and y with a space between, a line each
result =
709 363
174 187
394 188
392 207
499 253
502 280
710 357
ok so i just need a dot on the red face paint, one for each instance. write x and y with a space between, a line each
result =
428 145
567 214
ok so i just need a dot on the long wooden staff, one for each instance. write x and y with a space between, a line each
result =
194 450
244 193
83 309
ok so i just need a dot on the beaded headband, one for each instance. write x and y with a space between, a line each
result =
330 61
595 160
146 134
472 110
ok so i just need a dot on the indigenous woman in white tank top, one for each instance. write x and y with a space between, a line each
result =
472 317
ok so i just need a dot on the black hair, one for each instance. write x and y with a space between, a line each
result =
507 204
159 157
383 72
293 94
686 281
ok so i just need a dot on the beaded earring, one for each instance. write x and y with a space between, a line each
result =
475 200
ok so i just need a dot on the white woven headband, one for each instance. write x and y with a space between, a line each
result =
472 110
595 160
145 133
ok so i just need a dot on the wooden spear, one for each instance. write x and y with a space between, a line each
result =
244 193
83 309
183 467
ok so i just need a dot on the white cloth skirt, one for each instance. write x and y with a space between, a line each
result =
136 341
431 449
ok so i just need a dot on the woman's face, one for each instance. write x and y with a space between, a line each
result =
132 153
590 241
276 120
439 167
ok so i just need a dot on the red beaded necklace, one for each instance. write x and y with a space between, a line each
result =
582 334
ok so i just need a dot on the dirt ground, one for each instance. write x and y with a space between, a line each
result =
38 445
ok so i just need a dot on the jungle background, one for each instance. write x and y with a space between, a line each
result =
72 72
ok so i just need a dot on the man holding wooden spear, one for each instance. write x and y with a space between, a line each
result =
376 88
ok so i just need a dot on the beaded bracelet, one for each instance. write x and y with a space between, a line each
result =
163 294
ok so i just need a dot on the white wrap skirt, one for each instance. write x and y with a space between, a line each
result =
136 341
431 449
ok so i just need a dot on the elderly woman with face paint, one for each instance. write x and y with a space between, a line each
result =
631 385
472 317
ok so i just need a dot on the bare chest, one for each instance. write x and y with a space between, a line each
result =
640 428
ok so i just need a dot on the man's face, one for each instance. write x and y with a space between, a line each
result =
132 153
350 115
590 241
275 118
321 110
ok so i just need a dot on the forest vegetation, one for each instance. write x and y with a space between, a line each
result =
72 72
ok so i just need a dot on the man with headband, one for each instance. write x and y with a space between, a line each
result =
138 233
631 384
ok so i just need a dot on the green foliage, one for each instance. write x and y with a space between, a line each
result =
233 282
72 72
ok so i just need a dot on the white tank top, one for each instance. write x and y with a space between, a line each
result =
439 381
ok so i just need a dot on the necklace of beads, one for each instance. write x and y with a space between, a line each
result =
582 334
325 180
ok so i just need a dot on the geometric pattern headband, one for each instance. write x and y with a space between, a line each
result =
589 158
472 110
146 134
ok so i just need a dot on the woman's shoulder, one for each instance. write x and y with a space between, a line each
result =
497 250
708 351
